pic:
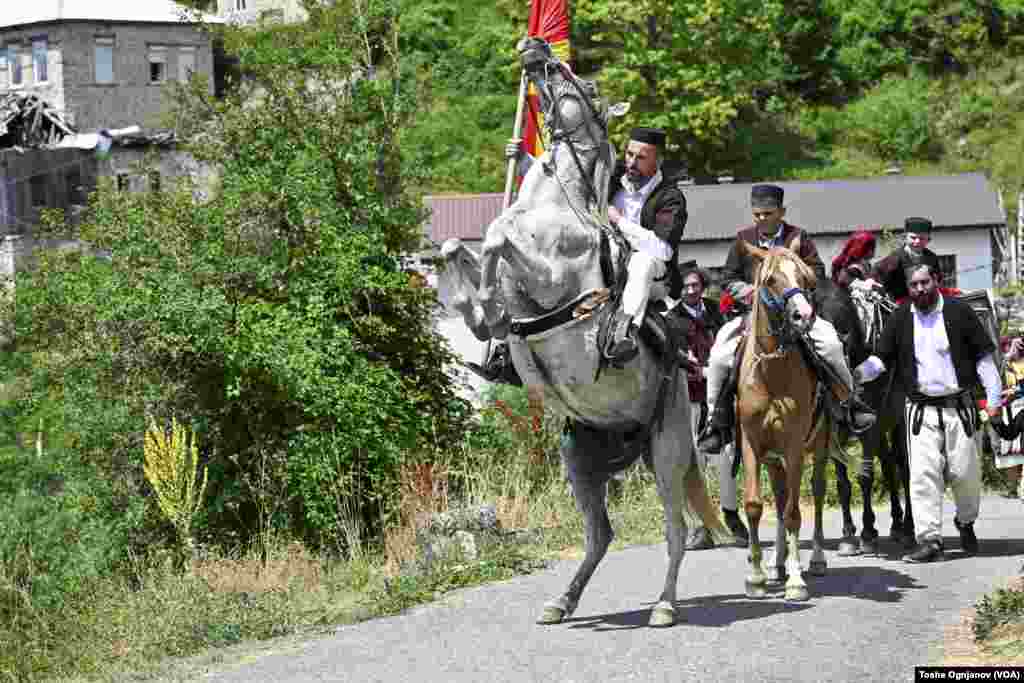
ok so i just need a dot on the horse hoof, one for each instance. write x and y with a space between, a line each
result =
848 549
797 594
756 591
868 547
663 615
551 615
817 568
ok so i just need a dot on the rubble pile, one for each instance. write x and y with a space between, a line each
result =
28 121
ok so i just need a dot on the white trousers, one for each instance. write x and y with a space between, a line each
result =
941 456
723 354
726 482
641 287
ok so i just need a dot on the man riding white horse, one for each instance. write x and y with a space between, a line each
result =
770 230
649 208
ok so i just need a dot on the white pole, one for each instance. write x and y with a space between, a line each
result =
1017 236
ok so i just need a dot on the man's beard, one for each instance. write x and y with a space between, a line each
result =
926 302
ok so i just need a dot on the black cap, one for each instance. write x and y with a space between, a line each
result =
766 196
921 226
651 136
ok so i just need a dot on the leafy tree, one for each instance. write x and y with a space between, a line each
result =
271 311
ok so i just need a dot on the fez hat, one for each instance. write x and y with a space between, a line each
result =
921 226
651 136
766 196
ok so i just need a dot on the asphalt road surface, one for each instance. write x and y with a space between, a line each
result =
870 619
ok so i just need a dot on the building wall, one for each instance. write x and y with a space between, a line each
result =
34 179
131 98
52 89
251 10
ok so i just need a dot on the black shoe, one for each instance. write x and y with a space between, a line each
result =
498 368
739 532
700 540
929 551
622 346
968 541
859 416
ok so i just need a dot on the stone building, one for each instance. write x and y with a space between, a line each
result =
246 11
102 63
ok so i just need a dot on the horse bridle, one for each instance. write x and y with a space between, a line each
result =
784 331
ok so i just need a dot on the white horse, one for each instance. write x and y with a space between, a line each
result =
539 283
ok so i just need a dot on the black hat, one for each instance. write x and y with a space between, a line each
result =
918 225
651 136
766 196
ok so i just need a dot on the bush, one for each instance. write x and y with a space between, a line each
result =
1005 606
893 120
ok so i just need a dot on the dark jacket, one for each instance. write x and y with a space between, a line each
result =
968 343
740 268
889 271
664 213
700 335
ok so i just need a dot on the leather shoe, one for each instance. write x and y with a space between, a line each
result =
739 532
861 417
622 347
929 551
968 541
700 540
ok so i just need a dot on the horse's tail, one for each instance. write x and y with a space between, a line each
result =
699 504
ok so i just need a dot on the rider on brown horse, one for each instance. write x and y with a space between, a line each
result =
770 230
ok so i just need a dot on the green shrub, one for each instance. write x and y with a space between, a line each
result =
1005 606
893 120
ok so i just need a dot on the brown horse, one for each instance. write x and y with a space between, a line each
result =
778 423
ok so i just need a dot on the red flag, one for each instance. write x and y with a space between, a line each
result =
549 19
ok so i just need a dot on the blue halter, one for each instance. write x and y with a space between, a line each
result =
777 304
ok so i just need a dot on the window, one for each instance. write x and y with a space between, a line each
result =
157 63
40 73
37 187
186 63
14 60
104 52
5 78
123 184
76 192
947 264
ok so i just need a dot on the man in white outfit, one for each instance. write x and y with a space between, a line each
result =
650 211
939 350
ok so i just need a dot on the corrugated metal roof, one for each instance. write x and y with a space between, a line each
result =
464 216
821 207
18 12
842 206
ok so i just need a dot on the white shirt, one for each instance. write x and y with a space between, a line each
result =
630 203
936 375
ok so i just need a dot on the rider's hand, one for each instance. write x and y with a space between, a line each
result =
614 215
746 294
514 148
873 283
993 412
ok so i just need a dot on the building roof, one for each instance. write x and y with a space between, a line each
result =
843 206
463 216
16 13
821 207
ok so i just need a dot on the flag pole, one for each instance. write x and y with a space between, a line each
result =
517 130
510 173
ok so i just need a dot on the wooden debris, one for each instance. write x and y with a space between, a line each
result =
28 121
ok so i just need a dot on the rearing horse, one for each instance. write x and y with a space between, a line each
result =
542 286
777 416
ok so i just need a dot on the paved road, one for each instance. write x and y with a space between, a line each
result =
870 619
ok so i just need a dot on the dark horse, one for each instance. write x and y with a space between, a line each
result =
859 323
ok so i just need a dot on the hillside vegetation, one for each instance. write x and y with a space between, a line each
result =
795 90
